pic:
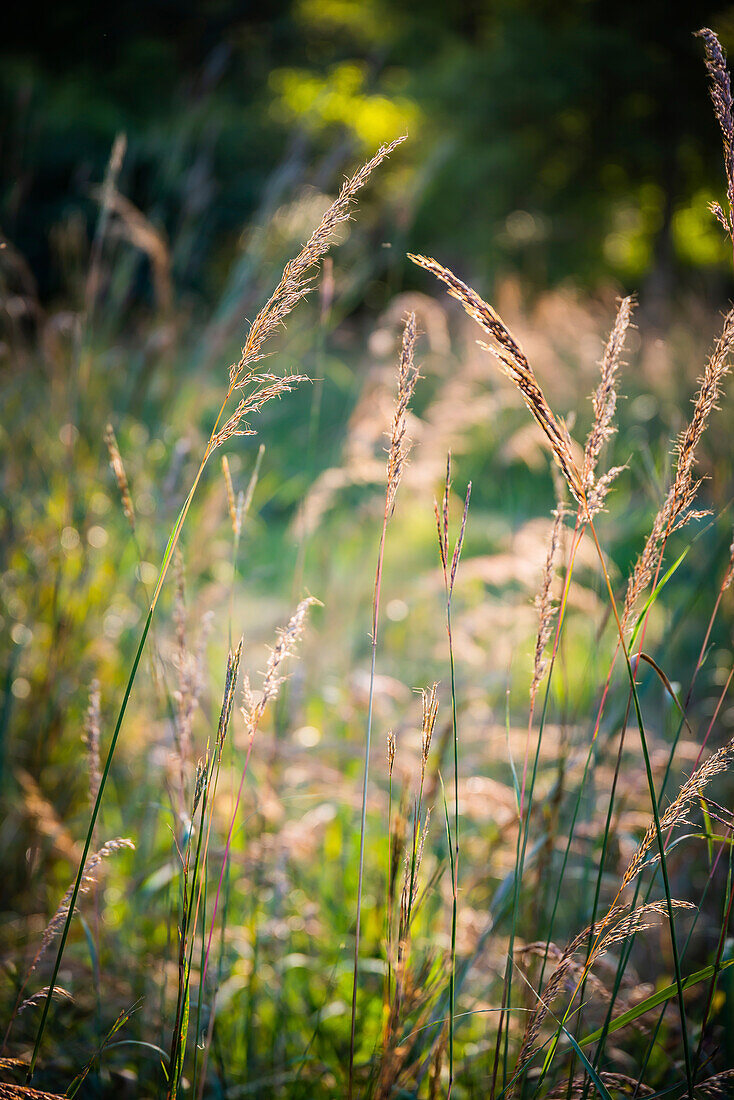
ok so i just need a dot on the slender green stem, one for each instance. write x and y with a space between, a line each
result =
363 819
455 861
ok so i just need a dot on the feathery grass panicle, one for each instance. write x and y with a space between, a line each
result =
442 525
230 683
23 1092
676 509
252 708
717 368
719 1085
118 470
515 365
399 448
675 814
429 700
604 402
91 740
638 920
614 927
545 604
296 281
412 859
268 387
89 878
721 98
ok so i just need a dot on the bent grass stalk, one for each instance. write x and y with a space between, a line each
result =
293 286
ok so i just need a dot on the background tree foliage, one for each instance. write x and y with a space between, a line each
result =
551 140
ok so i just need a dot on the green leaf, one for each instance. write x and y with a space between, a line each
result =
599 1084
655 593
656 999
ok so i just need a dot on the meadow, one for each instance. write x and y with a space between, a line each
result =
366 718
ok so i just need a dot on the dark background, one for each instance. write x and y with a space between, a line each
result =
554 140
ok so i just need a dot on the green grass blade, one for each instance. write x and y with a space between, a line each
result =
656 592
662 995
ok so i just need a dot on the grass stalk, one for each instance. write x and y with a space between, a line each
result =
363 813
396 457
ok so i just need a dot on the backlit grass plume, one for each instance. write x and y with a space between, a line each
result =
515 365
297 278
604 402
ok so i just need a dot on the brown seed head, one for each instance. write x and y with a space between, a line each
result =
721 98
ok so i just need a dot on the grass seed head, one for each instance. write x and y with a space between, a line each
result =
399 447
514 364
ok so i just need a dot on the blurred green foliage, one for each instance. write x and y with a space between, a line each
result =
554 142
